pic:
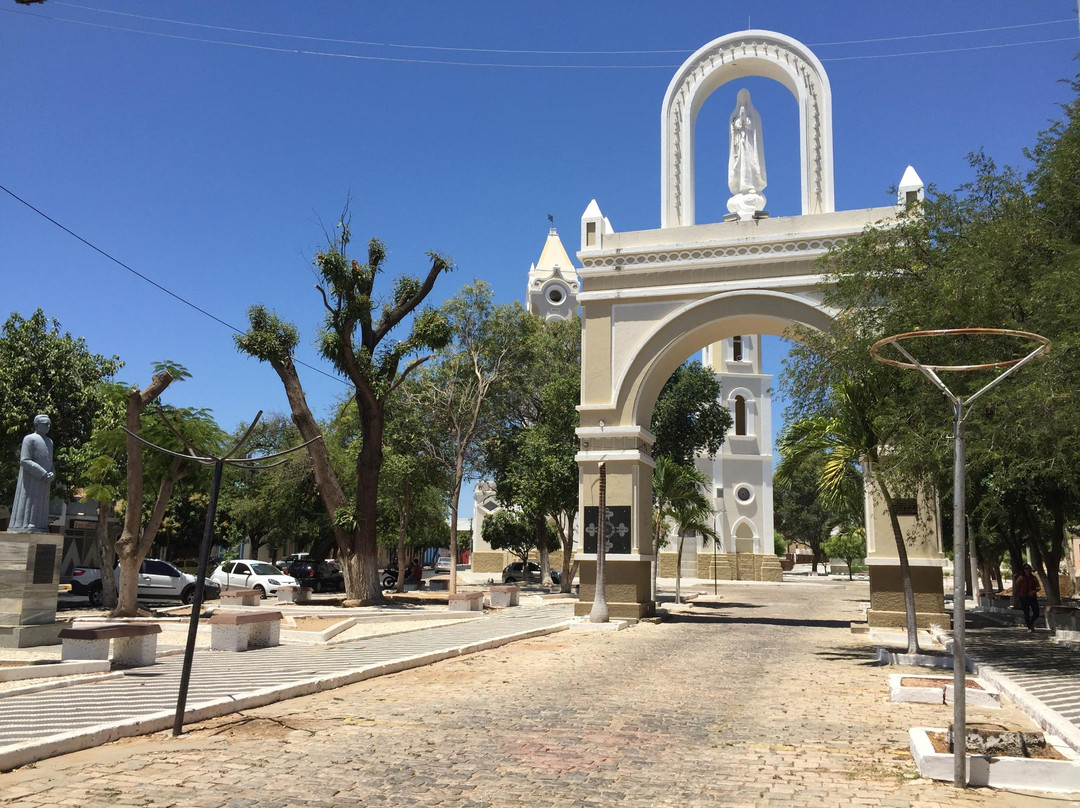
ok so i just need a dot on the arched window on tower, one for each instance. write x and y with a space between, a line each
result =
740 415
736 349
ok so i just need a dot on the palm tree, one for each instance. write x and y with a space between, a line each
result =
847 439
678 496
692 514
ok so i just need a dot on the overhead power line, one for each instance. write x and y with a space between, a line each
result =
368 43
522 65
143 277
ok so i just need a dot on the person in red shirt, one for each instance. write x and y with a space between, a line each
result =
1027 590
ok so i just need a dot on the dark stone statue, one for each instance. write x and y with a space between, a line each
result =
30 513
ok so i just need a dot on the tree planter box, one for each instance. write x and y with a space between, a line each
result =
941 692
999 772
466 602
294 594
504 596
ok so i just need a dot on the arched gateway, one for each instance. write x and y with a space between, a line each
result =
652 298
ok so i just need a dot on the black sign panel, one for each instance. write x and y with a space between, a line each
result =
616 529
44 561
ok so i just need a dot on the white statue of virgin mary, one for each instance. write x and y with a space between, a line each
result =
746 159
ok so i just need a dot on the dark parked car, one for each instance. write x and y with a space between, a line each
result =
512 574
322 576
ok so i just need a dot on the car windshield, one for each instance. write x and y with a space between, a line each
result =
265 569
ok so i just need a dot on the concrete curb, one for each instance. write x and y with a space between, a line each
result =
14 756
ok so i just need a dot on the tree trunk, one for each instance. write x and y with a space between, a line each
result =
106 555
455 495
905 572
566 538
678 568
540 525
134 549
367 590
403 524
132 538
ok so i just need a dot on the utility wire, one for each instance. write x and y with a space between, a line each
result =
450 63
532 52
150 281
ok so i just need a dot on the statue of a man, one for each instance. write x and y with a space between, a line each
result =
30 513
746 159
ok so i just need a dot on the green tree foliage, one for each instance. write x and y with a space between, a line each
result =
357 339
848 544
531 452
414 485
45 370
689 418
482 359
1001 252
514 532
799 510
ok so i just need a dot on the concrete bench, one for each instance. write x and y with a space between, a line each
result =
136 643
294 594
466 602
239 631
438 584
503 596
241 597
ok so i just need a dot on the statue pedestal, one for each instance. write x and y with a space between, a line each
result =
29 582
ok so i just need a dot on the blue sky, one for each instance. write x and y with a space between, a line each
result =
205 154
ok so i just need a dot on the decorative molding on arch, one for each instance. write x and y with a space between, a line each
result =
746 53
655 256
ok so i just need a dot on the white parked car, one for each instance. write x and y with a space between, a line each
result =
247 573
443 564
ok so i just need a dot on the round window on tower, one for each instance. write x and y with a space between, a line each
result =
744 494
556 295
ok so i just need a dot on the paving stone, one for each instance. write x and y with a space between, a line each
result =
762 699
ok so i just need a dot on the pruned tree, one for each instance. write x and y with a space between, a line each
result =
146 468
357 339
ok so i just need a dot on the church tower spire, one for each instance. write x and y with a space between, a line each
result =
553 282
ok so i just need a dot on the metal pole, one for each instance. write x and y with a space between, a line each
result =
599 613
959 656
196 605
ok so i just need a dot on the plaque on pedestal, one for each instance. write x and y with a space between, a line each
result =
29 582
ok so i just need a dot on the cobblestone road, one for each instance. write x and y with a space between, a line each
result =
763 698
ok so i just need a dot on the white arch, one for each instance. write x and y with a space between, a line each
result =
746 53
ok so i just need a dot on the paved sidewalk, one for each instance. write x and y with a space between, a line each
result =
1040 676
39 725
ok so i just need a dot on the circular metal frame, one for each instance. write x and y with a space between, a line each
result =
949 332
